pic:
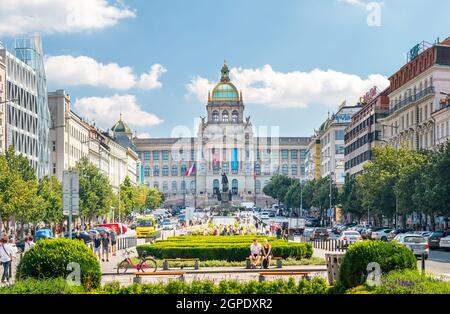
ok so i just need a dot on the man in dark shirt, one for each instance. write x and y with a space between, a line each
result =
106 242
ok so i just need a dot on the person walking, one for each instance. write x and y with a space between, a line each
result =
114 241
97 246
106 242
6 255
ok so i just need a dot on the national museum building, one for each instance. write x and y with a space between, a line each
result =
188 169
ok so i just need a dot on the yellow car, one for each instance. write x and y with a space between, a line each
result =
146 227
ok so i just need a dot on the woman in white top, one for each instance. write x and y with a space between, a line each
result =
28 244
6 255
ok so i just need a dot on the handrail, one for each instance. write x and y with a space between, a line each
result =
411 99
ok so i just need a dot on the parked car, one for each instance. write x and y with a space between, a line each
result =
396 232
381 234
445 243
336 228
265 215
349 237
307 232
425 234
416 243
85 236
117 226
102 229
43 234
319 233
167 225
435 238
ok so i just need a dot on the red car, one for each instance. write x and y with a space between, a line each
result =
118 227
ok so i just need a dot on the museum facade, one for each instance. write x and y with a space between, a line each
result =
188 169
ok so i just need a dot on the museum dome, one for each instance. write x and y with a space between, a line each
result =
120 127
225 90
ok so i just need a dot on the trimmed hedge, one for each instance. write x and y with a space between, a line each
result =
389 255
228 248
314 286
49 259
48 286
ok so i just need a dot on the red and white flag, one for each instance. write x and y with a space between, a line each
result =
191 170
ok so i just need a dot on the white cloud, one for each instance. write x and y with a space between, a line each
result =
150 80
264 86
22 17
105 111
68 70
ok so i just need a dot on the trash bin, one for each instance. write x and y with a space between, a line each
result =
334 261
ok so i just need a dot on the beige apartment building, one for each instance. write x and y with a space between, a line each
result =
415 94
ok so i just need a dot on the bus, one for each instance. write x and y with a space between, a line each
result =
146 226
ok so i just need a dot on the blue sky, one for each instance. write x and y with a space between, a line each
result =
295 60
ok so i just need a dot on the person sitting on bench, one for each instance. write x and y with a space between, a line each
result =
255 253
266 254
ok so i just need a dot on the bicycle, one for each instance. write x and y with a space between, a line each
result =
143 264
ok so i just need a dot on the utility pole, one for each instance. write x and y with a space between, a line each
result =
330 195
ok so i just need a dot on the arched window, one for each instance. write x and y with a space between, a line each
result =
183 186
234 186
258 186
294 170
192 184
174 170
174 186
165 187
258 169
183 169
156 171
165 171
147 171
215 116
285 170
156 185
235 116
225 116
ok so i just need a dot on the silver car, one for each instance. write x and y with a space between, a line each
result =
416 243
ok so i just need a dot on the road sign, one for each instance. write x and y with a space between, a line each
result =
71 199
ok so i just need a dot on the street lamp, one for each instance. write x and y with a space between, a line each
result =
331 173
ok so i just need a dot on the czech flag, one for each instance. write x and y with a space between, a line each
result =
191 170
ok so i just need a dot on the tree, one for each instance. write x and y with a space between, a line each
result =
127 199
278 187
154 198
321 196
52 211
18 190
350 199
95 191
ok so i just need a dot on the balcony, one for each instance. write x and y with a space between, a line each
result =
412 99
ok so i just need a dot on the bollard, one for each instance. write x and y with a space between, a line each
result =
423 262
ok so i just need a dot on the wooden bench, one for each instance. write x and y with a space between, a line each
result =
304 274
276 258
138 275
167 260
